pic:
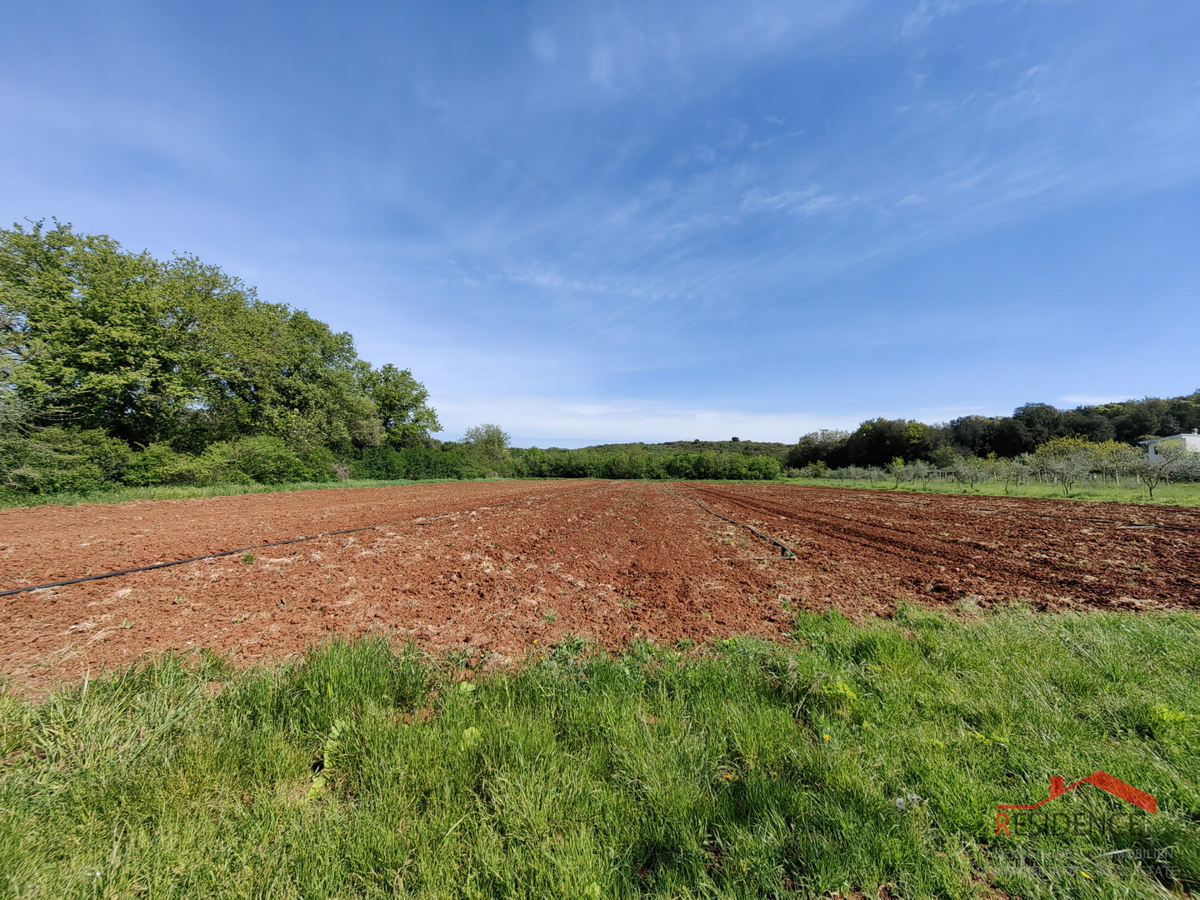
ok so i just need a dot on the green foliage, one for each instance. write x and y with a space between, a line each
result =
415 463
400 402
124 493
878 441
66 459
160 464
969 472
1172 461
488 445
180 362
863 760
639 462
92 336
265 460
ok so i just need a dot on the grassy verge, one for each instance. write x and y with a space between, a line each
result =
858 759
1187 494
182 492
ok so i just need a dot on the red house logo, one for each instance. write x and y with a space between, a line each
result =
1058 787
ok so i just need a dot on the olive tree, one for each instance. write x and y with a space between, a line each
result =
1009 472
899 471
1065 460
969 472
1172 462
1113 458
922 471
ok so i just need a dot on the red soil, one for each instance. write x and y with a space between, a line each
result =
509 566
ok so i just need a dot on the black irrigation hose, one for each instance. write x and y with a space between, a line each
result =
788 552
180 562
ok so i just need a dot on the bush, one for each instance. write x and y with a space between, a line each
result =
159 464
414 463
266 460
57 459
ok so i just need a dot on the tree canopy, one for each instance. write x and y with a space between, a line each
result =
148 351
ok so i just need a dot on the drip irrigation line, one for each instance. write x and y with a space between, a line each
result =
788 552
313 537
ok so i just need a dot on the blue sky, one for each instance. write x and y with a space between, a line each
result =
594 222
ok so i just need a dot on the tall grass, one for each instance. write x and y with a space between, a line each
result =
856 759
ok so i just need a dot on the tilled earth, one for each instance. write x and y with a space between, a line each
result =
494 570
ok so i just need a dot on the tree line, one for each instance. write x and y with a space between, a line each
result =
878 442
473 459
119 368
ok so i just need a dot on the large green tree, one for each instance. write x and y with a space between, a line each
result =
90 338
401 404
95 337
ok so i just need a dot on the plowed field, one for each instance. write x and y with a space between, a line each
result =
505 567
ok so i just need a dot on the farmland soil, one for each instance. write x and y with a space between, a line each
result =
491 571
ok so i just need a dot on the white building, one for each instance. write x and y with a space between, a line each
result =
1190 441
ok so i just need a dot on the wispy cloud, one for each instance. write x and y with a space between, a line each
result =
547 421
815 206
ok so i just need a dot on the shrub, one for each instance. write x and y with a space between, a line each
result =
159 464
415 463
266 460
58 459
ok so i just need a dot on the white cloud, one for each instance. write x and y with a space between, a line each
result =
807 202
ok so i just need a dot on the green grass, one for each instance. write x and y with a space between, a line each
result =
168 492
1187 494
751 770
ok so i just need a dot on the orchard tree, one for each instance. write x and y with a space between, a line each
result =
1116 459
1008 472
969 471
1172 462
1066 460
922 471
899 471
